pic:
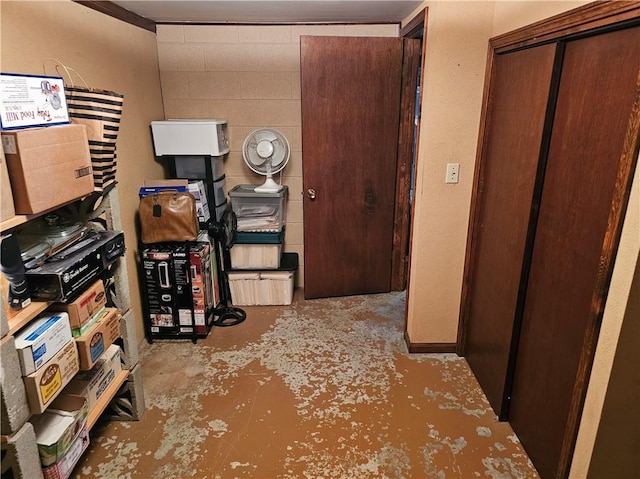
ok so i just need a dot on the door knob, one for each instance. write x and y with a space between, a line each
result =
311 193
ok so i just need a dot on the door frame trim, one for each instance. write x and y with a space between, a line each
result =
585 20
403 214
415 28
411 58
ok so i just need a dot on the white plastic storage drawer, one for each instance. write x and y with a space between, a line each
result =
255 256
194 167
219 193
190 137
258 211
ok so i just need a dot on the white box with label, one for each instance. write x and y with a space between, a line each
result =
41 340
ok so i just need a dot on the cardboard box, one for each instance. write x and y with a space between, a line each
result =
151 187
41 340
45 384
168 287
202 284
157 266
85 306
210 271
197 189
77 332
64 467
7 209
57 428
31 100
47 166
182 289
95 342
93 383
64 275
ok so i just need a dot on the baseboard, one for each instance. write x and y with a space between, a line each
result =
429 347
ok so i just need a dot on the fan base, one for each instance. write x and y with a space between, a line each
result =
269 186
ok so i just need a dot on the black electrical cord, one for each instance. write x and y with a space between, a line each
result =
223 233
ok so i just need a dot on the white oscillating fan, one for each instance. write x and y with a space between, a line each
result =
266 151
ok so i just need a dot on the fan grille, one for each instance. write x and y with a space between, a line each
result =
266 151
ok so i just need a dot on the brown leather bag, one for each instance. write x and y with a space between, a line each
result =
168 216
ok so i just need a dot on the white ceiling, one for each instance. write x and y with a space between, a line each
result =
266 11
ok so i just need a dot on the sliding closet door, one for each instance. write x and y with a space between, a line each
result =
570 266
515 119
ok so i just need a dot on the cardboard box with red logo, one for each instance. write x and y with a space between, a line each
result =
85 306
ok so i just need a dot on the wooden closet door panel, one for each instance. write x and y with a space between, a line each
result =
516 116
595 98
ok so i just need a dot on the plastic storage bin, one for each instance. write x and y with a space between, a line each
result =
271 287
258 211
255 256
260 237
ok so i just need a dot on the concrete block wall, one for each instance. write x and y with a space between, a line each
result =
20 458
129 404
249 75
128 340
4 318
14 408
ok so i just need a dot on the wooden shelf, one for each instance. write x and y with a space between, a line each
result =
106 398
15 221
18 220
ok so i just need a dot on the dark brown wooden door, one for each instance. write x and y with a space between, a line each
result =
570 266
350 114
519 95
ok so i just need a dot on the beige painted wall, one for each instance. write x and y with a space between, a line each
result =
450 119
515 14
111 55
454 64
453 79
249 75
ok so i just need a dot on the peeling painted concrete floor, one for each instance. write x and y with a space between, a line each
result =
319 389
